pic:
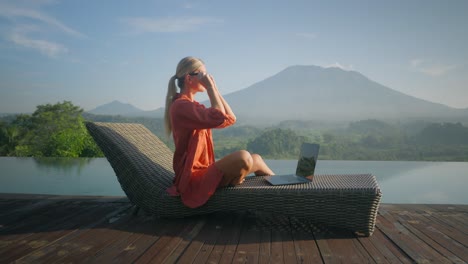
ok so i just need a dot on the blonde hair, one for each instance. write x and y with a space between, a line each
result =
185 66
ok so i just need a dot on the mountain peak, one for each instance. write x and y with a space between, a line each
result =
308 92
115 108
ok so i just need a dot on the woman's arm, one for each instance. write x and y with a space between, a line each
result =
227 109
215 98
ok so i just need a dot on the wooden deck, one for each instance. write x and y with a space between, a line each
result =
46 229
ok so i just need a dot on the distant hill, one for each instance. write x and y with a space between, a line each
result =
115 108
330 94
118 108
312 93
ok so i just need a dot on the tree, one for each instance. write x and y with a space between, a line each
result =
10 138
328 137
56 131
443 134
277 143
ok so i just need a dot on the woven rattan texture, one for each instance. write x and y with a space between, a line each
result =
143 166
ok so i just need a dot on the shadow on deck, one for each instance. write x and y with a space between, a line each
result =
41 228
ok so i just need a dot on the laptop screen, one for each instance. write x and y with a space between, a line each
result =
307 159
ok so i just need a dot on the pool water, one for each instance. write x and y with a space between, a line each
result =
400 181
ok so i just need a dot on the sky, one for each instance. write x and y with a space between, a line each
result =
94 52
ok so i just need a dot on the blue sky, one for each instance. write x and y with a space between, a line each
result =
94 52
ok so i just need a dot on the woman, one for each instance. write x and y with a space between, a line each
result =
197 174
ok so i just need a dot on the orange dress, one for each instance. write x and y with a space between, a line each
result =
196 176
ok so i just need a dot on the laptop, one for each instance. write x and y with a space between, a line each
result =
304 170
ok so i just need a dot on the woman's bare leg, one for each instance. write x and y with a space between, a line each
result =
239 164
260 168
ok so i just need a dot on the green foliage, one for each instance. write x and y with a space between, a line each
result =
277 143
58 131
51 131
376 140
443 134
371 126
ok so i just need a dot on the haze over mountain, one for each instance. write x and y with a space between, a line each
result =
320 94
118 108
115 108
330 94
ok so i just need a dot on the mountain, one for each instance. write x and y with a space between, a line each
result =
312 93
158 113
330 94
127 110
116 108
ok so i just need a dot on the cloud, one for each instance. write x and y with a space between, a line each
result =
343 67
431 69
48 48
14 13
169 24
26 17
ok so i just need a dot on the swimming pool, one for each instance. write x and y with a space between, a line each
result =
400 181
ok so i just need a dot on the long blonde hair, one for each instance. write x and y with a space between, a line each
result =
185 66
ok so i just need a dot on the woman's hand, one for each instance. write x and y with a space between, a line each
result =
216 99
207 81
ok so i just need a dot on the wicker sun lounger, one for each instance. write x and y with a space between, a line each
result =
143 165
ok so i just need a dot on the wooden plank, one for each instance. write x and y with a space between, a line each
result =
289 250
26 241
417 249
445 215
462 208
115 239
444 224
192 245
226 245
90 243
434 235
23 196
376 255
12 207
455 216
277 253
73 247
71 229
125 247
211 238
439 220
248 249
37 222
166 244
306 248
265 247
386 248
192 241
342 246
225 226
124 243
460 220
452 221
192 228
43 228
52 248
31 214
153 230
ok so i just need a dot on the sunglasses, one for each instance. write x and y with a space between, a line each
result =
198 74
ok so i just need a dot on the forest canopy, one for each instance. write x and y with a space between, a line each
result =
59 130
51 131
